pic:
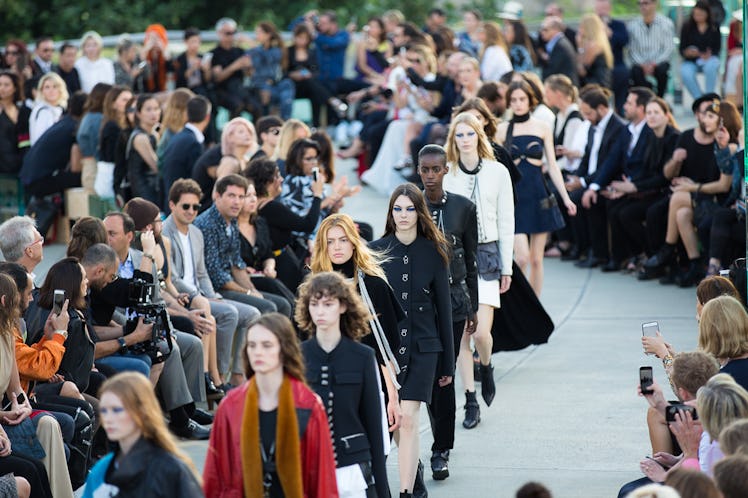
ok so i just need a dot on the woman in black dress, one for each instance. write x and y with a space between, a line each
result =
282 222
339 247
344 374
417 270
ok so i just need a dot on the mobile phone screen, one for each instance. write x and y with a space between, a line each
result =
646 379
59 300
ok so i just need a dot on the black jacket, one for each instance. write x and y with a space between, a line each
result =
455 216
346 380
151 471
562 60
610 149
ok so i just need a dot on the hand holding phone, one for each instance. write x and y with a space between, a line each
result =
671 410
646 380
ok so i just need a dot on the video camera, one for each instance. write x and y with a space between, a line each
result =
144 302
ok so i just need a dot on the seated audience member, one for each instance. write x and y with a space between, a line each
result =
692 483
731 476
700 46
86 232
733 84
558 55
281 220
66 67
723 332
14 127
128 69
292 130
654 491
651 46
186 147
21 242
53 163
229 65
595 58
51 101
190 276
223 260
269 61
112 348
694 200
155 53
238 141
268 133
191 68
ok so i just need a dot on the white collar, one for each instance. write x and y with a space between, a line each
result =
604 122
198 134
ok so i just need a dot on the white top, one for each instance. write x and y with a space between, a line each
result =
597 140
188 279
494 201
43 116
494 64
572 139
91 72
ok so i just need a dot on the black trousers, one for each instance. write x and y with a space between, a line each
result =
442 408
726 236
628 235
660 74
591 226
30 469
316 92
657 224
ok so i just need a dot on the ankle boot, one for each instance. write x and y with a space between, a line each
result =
472 411
691 277
662 258
405 494
419 486
488 386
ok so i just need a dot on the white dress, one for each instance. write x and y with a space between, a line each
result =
91 72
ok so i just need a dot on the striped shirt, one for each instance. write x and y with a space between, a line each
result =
651 43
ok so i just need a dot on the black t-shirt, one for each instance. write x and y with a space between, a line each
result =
71 79
210 158
268 422
224 58
700 164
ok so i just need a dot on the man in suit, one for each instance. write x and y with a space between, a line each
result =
604 143
186 146
559 56
189 275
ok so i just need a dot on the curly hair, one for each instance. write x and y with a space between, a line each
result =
295 157
262 173
354 323
290 351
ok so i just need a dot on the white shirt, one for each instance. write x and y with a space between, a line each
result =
91 72
494 64
636 131
597 140
43 116
574 129
187 261
198 134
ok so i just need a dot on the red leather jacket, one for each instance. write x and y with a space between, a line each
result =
222 477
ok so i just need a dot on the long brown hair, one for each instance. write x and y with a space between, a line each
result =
354 323
275 41
175 111
136 393
426 226
290 354
364 258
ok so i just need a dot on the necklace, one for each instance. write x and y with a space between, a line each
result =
470 172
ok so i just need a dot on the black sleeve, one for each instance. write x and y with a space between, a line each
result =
443 308
283 217
437 85
470 245
686 40
715 42
370 412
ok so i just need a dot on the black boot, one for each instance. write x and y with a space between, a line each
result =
419 486
488 386
476 367
440 465
472 411
405 494
691 277
663 257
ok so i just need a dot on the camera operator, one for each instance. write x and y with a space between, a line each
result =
107 292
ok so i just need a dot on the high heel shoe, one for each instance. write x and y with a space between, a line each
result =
472 411
212 392
488 386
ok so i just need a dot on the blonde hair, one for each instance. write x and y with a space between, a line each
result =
720 402
734 438
593 31
175 112
427 54
485 151
59 83
654 491
92 35
136 393
226 147
364 259
288 136
723 328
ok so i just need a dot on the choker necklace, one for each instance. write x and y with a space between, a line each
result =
470 172
520 119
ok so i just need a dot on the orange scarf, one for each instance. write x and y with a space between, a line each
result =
287 444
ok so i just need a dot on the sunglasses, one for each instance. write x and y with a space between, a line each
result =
229 33
274 131
187 207
414 61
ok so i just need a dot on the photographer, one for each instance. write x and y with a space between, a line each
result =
108 291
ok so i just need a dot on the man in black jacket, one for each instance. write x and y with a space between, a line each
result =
559 56
455 216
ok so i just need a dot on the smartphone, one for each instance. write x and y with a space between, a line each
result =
20 399
646 379
142 65
671 410
315 173
59 300
650 329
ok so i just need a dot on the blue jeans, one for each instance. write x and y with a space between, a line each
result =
689 70
282 94
127 363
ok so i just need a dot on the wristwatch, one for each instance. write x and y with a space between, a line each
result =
62 332
122 345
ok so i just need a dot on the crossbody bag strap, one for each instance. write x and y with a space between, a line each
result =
376 328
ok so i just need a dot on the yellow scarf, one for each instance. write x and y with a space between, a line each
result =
287 444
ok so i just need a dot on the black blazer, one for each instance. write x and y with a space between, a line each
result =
610 149
562 60
180 156
629 164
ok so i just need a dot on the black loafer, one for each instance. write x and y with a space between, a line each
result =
611 266
440 465
202 417
192 430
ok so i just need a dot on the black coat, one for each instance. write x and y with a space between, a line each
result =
420 280
148 470
455 216
562 60
346 380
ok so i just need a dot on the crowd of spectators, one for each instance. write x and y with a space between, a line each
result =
218 224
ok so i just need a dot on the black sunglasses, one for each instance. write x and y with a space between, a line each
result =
187 207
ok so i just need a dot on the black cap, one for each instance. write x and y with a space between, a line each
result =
704 98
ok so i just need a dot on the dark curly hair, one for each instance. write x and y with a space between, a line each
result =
295 157
262 173
354 323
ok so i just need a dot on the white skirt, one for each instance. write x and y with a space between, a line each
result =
351 482
489 292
